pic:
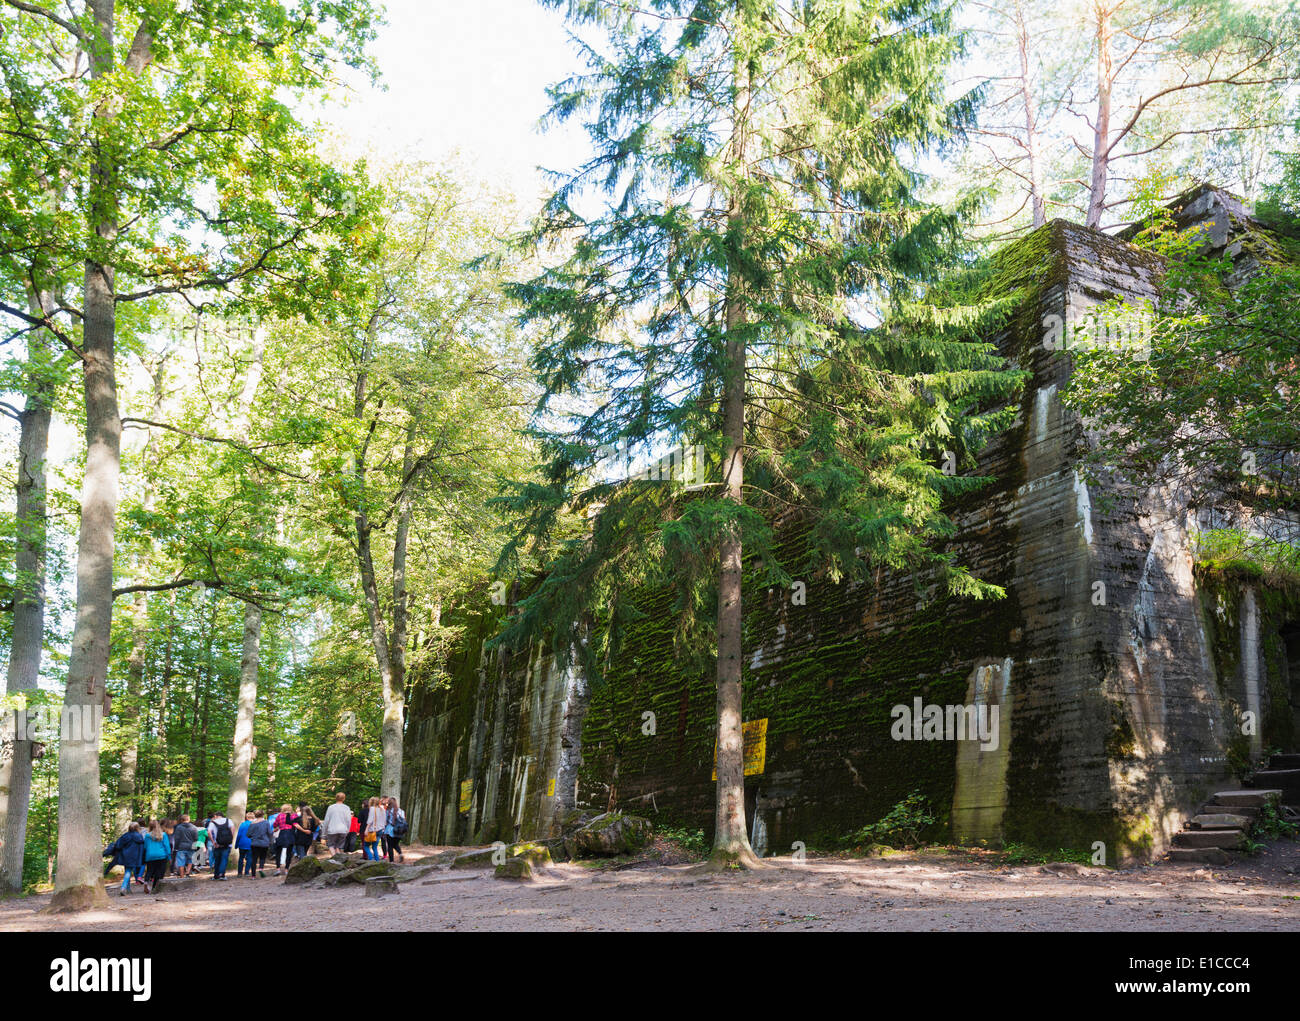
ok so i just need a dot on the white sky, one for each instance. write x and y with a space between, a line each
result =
468 75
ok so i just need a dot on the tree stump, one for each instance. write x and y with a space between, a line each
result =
380 885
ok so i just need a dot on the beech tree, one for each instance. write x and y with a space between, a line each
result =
413 390
176 168
754 164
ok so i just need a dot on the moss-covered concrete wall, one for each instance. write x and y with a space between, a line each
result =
1103 659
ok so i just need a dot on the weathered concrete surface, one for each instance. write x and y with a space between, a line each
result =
1120 677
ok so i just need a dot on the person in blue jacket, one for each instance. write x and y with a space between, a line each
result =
157 853
127 851
245 847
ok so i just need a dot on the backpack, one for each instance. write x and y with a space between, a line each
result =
399 824
224 837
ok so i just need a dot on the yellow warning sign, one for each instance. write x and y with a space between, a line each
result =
755 735
550 787
466 793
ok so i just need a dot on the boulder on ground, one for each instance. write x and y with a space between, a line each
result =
534 854
518 867
611 834
377 886
304 870
473 859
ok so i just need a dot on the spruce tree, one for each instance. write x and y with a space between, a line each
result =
749 288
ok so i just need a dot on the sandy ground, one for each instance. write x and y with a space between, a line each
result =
921 891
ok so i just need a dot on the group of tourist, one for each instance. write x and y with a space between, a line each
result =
148 851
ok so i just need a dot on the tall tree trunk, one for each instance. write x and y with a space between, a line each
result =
395 690
29 605
1101 133
390 650
164 702
78 883
730 840
241 761
1023 43
241 764
391 783
204 694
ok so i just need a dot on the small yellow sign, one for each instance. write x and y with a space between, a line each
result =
466 793
755 736
550 787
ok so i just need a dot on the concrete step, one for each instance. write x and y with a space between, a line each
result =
1220 821
1285 760
1285 780
1200 855
1227 839
1251 798
1250 812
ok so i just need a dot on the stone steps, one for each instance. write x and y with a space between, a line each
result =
1221 825
1220 821
1228 840
1200 855
1286 781
1255 799
1285 760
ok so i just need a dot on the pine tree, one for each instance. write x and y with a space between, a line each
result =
757 166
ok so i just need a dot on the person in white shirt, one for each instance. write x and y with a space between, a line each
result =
221 837
338 822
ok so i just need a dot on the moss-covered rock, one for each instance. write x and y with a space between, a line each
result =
612 834
534 854
518 867
304 870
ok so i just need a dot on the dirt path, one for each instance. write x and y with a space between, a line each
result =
916 892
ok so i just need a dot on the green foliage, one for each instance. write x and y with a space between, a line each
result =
1213 408
903 826
693 842
756 192
1271 824
1022 854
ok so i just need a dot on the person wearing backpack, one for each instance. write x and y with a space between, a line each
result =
395 831
221 836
